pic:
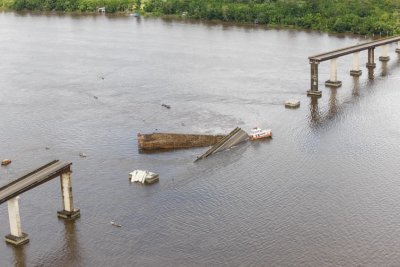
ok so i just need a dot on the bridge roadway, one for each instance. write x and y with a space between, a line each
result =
352 49
33 179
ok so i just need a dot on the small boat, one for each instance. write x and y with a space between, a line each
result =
257 133
115 224
144 177
5 162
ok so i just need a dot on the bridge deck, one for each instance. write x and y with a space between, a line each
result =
352 49
33 179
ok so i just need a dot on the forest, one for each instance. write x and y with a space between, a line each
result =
341 16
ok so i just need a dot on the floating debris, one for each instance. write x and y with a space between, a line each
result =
292 103
82 155
166 106
156 141
115 224
144 177
5 162
95 97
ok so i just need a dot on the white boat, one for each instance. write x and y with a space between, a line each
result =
144 177
257 133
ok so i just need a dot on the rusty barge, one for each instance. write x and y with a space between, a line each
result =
156 141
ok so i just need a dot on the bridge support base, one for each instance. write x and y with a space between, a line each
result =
16 237
17 240
370 65
356 73
333 83
69 215
397 50
384 58
314 93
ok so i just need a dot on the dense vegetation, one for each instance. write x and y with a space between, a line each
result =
356 16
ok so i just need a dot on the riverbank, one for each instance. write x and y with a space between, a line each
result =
339 16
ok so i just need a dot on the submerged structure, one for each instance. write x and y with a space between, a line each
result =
232 139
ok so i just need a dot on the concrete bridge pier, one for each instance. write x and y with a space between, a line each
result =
356 65
16 237
68 202
314 80
333 82
371 63
398 47
384 53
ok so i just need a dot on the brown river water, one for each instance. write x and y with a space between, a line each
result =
325 191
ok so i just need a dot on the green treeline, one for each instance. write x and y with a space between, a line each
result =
112 6
355 16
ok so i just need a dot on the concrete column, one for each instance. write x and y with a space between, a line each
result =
314 80
371 63
68 211
398 47
333 77
356 65
384 53
16 237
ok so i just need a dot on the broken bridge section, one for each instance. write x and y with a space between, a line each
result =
232 139
11 191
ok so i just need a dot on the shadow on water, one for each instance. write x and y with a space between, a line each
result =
70 252
19 256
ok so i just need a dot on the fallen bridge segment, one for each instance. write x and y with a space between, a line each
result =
232 139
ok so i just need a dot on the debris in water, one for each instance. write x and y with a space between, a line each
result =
95 97
82 155
115 224
5 162
292 103
144 177
166 106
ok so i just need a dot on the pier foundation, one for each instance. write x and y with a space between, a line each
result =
356 65
384 53
16 236
314 80
333 82
398 47
371 61
68 212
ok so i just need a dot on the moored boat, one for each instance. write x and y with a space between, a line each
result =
258 133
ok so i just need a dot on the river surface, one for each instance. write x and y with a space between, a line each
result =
325 191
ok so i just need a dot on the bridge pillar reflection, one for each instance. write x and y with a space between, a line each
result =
356 65
371 55
314 80
16 237
384 53
68 212
333 82
398 47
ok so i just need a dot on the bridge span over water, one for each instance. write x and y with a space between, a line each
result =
11 191
355 71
